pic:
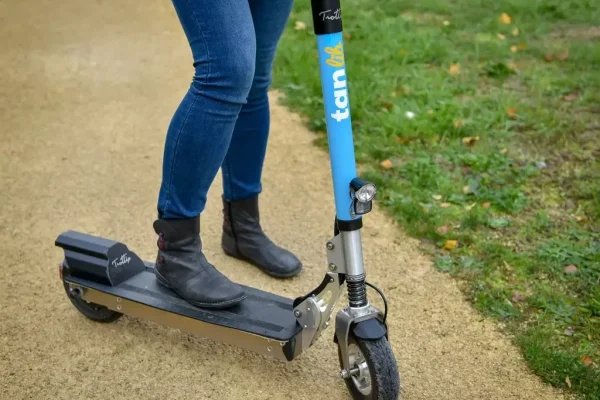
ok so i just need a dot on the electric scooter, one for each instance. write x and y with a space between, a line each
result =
104 279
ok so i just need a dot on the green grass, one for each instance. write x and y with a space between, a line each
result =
522 198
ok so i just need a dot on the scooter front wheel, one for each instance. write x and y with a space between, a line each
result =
373 372
92 311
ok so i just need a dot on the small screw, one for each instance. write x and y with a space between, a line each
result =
118 307
307 308
326 324
332 267
330 246
118 299
331 280
297 313
269 348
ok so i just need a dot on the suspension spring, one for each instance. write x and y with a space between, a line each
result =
357 291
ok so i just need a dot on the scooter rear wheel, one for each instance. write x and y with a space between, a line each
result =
93 311
373 371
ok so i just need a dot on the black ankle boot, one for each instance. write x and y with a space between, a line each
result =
181 266
243 238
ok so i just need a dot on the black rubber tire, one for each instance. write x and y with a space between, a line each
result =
385 378
95 312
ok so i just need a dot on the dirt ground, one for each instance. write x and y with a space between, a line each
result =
86 93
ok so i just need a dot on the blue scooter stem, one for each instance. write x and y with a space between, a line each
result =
327 18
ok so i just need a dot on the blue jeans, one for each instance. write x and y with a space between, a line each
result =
223 120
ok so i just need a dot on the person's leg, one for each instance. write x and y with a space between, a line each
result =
242 234
243 163
222 40
221 37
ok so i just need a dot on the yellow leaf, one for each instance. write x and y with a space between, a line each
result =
450 244
459 123
300 26
505 19
487 204
446 23
501 36
454 69
504 151
466 189
445 205
512 65
470 206
470 141
587 361
387 164
568 381
515 32
511 112
514 49
436 196
522 46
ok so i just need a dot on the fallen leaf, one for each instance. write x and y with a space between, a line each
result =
387 164
569 331
445 205
570 97
459 123
394 93
446 23
587 361
548 57
514 49
568 381
505 19
300 26
347 36
487 204
580 219
454 69
511 112
512 65
570 269
470 206
501 36
443 229
470 140
518 297
515 32
401 140
430 112
522 46
450 244
387 105
466 189
504 151
436 196
563 56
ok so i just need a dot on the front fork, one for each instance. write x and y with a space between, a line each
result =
353 198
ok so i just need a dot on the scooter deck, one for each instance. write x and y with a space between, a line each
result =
261 313
88 259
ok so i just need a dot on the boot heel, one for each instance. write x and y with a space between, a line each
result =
160 279
229 246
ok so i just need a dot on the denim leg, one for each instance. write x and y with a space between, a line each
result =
222 40
243 163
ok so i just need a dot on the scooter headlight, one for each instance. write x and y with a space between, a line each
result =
363 191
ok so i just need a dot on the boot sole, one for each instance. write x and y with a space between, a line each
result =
223 304
270 273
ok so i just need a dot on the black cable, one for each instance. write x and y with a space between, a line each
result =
382 297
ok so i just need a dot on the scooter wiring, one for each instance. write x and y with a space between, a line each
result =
385 305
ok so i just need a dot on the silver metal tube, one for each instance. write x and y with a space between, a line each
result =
353 253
